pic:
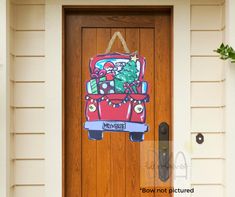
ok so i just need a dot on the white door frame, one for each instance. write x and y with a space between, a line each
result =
4 100
181 84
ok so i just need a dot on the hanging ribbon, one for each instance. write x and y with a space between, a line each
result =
112 40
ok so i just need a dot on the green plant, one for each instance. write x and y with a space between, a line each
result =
226 52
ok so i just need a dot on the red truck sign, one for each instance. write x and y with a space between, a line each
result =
116 96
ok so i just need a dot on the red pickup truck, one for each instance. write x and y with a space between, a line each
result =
116 96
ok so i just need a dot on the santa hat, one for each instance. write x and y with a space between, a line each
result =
109 65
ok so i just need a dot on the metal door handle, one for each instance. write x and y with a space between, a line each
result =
163 148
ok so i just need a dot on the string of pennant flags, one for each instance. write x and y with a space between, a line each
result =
115 104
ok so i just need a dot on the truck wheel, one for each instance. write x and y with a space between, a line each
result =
136 136
95 135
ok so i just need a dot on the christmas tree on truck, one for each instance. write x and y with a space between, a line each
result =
128 75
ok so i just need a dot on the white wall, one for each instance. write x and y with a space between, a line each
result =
230 98
28 99
207 98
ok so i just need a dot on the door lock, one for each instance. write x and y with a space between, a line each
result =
163 148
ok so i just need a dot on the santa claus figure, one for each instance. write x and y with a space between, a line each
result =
110 71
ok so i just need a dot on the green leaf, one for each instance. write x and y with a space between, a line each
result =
226 52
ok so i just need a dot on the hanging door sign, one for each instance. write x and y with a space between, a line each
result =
116 94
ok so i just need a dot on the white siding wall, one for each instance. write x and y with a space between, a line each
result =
28 83
207 98
230 97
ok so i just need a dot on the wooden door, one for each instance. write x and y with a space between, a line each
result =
114 166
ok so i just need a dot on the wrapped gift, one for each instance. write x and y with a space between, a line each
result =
92 87
142 87
132 87
106 87
102 79
136 87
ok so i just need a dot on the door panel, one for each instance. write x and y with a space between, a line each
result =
162 85
114 166
147 149
118 147
72 115
104 146
132 152
89 154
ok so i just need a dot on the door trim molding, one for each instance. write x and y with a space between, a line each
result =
5 112
54 105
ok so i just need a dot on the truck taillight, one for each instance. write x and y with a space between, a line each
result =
138 114
139 108
92 111
91 107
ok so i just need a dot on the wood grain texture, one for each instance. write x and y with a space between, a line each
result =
118 144
72 110
104 146
89 148
163 98
132 149
115 166
116 20
147 148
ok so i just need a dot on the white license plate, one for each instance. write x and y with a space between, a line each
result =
114 126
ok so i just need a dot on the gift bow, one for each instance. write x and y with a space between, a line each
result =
129 87
98 73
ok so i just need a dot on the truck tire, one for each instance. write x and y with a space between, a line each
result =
95 135
136 136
